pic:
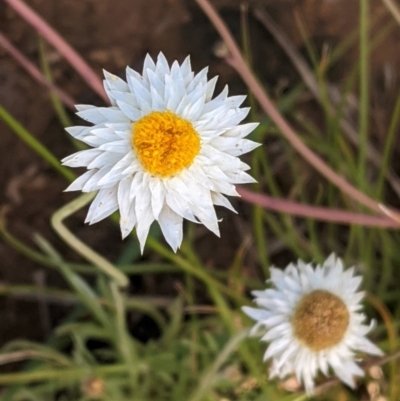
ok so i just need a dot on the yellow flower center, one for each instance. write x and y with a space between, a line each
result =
165 143
320 320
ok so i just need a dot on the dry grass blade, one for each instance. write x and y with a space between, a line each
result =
48 33
319 213
34 72
393 9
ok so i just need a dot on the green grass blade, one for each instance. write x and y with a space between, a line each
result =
34 144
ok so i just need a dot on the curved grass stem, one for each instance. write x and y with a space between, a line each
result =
80 247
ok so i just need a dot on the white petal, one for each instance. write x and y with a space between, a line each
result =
171 227
105 134
235 101
131 112
126 207
148 65
220 200
162 67
115 83
158 193
97 115
174 93
90 113
242 147
210 87
239 177
157 102
80 182
143 211
117 146
255 313
116 171
109 95
156 82
199 79
137 183
193 112
183 104
186 71
124 199
77 131
125 97
175 73
144 220
224 161
139 89
241 131
234 117
143 102
103 205
207 216
82 158
104 159
92 183
217 101
179 205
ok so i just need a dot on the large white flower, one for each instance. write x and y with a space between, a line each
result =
312 321
164 151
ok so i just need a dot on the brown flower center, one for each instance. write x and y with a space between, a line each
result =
320 320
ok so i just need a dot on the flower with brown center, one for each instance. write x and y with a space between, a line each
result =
312 321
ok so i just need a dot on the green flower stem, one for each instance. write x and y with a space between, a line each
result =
196 271
80 247
33 143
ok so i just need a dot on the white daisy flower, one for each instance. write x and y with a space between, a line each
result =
164 151
312 320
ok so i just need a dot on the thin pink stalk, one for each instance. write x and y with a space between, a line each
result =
315 212
48 33
35 72
237 61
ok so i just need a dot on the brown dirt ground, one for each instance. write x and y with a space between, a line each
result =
111 34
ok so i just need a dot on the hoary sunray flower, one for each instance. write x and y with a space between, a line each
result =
312 320
165 150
